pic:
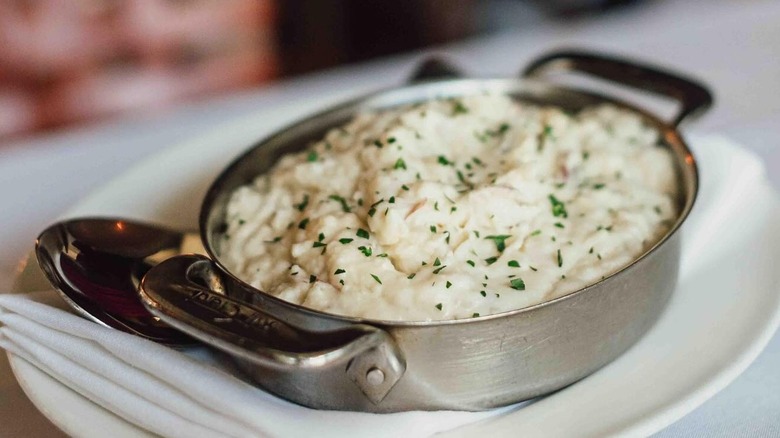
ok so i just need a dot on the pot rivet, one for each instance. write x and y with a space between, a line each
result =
375 376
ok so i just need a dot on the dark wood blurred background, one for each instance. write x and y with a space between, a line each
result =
63 63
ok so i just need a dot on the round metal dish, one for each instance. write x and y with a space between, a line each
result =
336 362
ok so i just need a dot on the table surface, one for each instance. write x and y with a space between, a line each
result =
732 46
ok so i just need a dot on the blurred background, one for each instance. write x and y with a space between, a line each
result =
64 62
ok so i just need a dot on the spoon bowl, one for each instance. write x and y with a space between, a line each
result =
96 265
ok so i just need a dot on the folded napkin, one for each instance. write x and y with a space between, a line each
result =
197 393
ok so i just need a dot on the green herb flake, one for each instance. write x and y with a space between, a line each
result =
433 228
517 284
376 278
366 250
378 144
453 209
391 200
339 271
560 259
411 276
536 233
657 209
436 205
362 233
399 164
319 245
559 225
475 315
372 211
590 251
585 155
448 285
558 207
312 279
491 260
598 186
303 204
241 222
312 157
439 269
391 140
345 240
459 108
405 187
483 293
302 224
471 262
344 206
438 306
444 161
499 240
437 262
513 264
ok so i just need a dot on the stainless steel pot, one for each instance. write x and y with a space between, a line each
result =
336 362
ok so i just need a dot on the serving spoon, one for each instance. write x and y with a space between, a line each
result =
96 265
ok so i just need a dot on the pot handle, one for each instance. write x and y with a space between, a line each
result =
434 68
189 293
694 98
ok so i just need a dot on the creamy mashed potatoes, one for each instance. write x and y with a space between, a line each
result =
453 209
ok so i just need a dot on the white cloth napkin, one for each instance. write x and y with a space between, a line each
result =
175 394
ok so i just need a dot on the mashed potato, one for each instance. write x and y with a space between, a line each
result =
453 209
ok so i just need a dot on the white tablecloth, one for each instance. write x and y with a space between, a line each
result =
732 46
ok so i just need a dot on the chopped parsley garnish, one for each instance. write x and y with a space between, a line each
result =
448 285
560 259
372 211
444 161
312 279
548 130
384 254
532 268
319 244
391 140
303 204
376 278
391 200
438 306
437 262
499 240
362 233
471 262
312 157
437 270
321 237
411 275
598 186
517 284
399 164
558 224
536 233
405 187
436 205
475 315
345 240
513 264
433 228
491 260
241 222
591 250
366 250
344 206
585 155
459 108
302 224
558 207
339 271
452 210
378 144
657 209
476 233
483 293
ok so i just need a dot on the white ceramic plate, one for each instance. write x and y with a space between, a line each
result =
724 312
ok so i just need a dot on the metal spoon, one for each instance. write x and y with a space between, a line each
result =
96 265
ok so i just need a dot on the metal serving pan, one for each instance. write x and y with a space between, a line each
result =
335 362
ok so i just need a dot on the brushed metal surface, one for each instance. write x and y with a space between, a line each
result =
493 360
